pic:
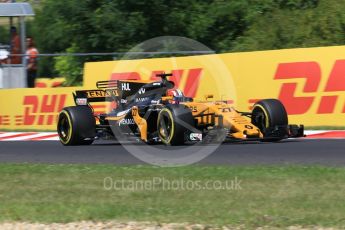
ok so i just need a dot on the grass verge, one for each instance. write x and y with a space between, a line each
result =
248 196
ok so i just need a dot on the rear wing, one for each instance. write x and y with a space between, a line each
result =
112 84
106 91
112 90
83 97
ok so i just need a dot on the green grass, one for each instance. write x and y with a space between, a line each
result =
265 196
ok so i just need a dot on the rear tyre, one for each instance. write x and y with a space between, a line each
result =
174 123
267 115
76 126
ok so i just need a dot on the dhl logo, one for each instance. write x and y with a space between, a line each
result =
4 120
192 76
41 110
326 97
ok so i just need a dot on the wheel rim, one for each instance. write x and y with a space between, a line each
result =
165 126
64 127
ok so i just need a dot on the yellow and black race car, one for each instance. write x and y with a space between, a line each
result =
155 112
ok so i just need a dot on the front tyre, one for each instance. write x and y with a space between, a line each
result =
271 118
173 123
76 126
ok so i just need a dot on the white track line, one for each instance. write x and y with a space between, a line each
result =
311 132
13 136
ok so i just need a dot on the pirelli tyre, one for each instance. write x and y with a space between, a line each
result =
76 126
174 123
271 118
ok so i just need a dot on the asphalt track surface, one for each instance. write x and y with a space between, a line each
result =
330 152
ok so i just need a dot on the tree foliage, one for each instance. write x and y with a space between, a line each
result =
69 67
222 25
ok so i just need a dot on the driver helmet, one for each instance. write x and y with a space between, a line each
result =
177 95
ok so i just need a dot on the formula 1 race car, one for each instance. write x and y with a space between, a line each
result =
155 112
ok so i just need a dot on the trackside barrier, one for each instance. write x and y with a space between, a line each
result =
49 82
310 82
29 109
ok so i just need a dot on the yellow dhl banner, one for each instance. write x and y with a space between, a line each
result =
49 82
30 109
310 82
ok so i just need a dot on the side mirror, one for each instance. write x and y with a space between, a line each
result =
208 96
